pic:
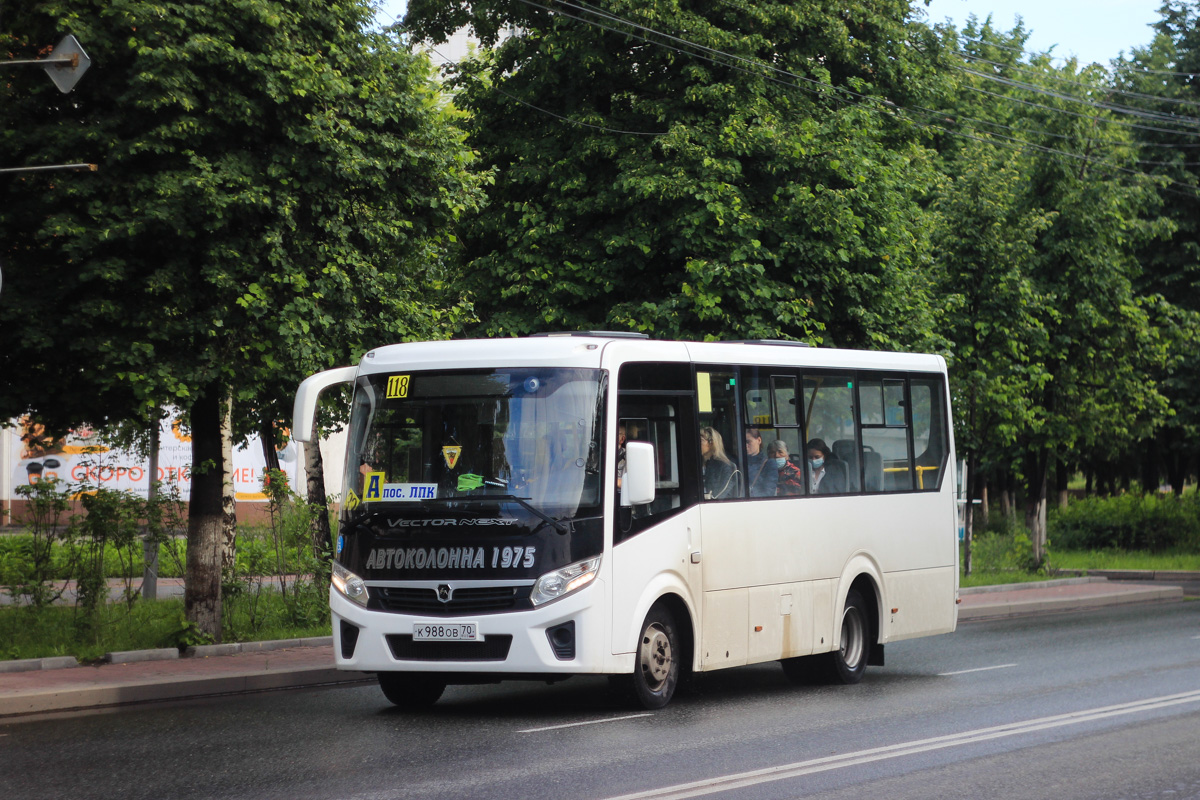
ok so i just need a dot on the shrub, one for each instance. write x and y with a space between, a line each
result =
1004 546
1154 523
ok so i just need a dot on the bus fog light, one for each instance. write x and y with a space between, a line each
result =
562 582
349 584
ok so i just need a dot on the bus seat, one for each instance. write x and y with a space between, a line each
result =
844 450
872 470
836 471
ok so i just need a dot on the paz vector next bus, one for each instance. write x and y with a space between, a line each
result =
601 503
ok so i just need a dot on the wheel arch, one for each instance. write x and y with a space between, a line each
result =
863 575
673 596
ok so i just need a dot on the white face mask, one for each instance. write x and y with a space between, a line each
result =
816 463
780 461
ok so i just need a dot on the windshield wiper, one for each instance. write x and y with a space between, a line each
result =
523 501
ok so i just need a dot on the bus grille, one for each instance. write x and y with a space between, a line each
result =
466 600
492 648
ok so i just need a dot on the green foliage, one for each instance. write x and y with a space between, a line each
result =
1004 547
281 579
770 196
1155 523
27 564
27 632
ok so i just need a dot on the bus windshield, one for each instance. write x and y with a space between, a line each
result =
455 439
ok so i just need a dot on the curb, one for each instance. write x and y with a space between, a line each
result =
1014 606
30 664
75 699
166 654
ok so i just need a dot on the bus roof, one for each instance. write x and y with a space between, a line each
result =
593 350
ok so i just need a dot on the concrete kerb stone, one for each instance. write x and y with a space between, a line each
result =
1009 587
206 650
166 653
29 664
135 656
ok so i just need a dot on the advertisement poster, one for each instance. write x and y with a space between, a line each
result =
81 459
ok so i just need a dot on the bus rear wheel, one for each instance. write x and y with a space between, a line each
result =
410 692
656 665
848 662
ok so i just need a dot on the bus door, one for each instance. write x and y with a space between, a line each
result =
657 546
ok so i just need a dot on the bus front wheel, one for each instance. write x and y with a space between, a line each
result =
656 668
410 692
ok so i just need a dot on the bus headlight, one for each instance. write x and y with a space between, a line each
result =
349 584
562 582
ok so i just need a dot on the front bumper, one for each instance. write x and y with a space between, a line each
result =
530 651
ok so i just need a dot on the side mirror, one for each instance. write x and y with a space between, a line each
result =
637 487
304 410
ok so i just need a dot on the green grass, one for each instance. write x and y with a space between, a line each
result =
1122 559
26 632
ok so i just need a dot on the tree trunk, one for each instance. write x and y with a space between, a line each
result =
228 492
984 500
266 435
202 584
1061 478
1176 472
1035 504
1007 502
314 469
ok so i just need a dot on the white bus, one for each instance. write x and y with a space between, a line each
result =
483 535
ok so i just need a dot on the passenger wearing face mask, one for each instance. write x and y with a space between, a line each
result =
791 480
822 479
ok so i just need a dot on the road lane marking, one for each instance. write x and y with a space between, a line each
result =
977 669
587 722
742 780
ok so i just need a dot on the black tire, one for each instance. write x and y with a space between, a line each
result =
802 670
848 662
656 660
410 692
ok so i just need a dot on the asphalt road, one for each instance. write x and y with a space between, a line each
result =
1098 705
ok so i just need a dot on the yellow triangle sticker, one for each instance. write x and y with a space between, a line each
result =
451 454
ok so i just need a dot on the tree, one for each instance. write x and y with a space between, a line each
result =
1159 80
1048 326
275 194
697 169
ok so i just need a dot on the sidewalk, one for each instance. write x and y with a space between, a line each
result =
60 684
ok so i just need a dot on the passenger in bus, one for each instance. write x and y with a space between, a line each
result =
789 478
825 476
761 475
720 475
621 437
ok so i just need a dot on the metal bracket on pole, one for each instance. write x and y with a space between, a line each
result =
65 65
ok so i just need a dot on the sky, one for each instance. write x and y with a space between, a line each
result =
1093 30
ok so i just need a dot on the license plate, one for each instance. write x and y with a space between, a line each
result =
446 632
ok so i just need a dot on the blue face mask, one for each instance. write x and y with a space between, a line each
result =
780 461
816 463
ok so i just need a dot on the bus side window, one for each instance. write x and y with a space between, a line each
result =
829 426
885 435
722 464
657 423
930 441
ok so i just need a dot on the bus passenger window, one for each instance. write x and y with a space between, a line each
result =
886 457
929 431
830 435
716 393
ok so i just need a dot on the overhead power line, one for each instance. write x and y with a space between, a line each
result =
1062 58
1154 116
1059 79
827 90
